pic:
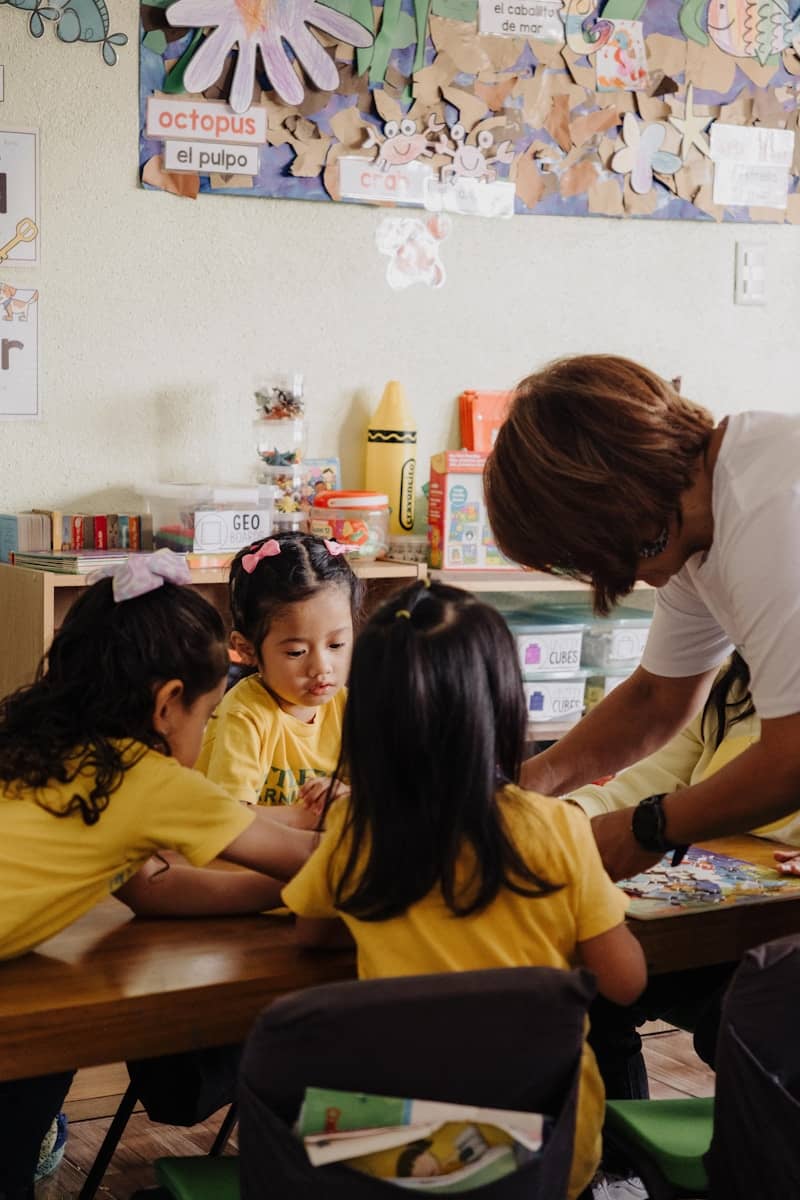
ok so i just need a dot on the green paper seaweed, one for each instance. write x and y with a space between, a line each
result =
422 9
624 10
689 20
173 80
456 10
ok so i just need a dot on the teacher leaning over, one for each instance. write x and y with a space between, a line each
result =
602 471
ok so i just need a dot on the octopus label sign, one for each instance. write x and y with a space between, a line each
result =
205 121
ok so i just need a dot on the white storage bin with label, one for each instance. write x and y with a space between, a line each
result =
599 686
617 643
207 519
545 645
555 697
612 644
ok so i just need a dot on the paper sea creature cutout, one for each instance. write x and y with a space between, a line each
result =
759 29
412 246
265 25
401 143
691 127
38 10
472 162
88 21
583 36
642 154
751 28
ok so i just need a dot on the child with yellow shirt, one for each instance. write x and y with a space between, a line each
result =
95 779
275 737
437 860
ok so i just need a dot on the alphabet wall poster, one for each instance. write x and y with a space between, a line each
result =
19 350
19 198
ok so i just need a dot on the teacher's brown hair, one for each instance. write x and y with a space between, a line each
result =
589 466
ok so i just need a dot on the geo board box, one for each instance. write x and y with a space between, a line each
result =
458 529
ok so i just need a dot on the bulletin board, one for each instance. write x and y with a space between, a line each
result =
684 109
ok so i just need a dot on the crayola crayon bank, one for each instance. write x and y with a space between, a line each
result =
392 456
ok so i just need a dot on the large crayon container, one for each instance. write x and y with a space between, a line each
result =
392 456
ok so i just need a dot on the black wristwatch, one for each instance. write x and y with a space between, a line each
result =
649 824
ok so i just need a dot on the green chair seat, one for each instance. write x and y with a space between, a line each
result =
199 1177
673 1134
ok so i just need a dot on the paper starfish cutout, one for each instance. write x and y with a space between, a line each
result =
691 127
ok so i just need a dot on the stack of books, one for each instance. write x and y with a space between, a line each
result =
52 529
70 562
23 531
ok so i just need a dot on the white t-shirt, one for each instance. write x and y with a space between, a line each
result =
747 591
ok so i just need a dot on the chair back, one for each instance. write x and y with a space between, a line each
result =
507 1038
755 1150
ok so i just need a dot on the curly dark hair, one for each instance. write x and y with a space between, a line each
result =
90 708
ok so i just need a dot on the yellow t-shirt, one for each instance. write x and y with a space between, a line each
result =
54 869
555 840
263 755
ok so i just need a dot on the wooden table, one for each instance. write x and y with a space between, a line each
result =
112 987
698 939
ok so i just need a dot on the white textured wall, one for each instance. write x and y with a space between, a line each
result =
158 313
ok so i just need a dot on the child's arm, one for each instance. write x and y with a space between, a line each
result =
163 889
319 933
617 960
295 816
271 847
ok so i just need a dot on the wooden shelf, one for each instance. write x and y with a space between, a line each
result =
515 581
383 569
33 604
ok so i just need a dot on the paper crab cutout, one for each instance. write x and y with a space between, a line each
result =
264 25
402 143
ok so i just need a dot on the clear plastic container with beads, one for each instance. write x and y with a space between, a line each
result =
280 424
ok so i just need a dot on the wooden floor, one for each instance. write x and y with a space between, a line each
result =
672 1066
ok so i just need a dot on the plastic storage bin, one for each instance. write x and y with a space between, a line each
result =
616 642
612 644
359 519
546 644
206 519
555 697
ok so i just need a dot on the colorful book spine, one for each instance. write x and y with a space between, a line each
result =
100 532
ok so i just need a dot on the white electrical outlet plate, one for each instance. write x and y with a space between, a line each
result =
751 271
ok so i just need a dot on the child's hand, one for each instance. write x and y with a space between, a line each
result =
314 792
788 861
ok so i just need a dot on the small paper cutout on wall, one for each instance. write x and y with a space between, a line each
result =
413 248
74 21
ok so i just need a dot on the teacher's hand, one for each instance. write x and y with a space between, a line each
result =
788 861
621 854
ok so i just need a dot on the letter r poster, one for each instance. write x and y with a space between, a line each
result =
517 106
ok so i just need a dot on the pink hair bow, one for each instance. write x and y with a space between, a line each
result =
265 550
144 573
335 548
